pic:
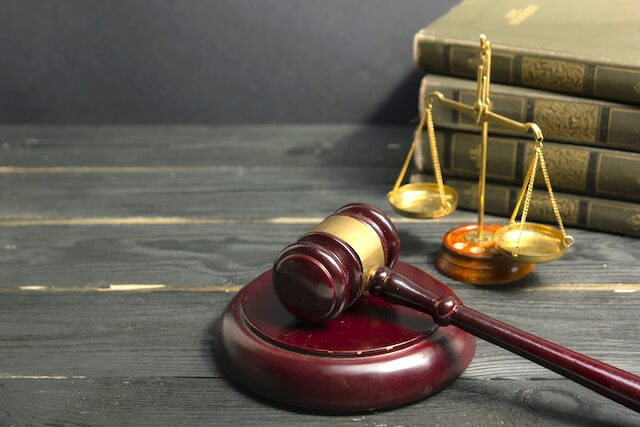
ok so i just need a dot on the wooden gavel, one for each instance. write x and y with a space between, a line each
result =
354 250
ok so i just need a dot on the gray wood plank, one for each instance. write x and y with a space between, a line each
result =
248 170
179 401
234 253
138 334
189 254
248 145
230 192
242 170
149 356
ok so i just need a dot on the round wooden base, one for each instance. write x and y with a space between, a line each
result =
466 259
376 355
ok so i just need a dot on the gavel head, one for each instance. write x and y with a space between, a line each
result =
328 268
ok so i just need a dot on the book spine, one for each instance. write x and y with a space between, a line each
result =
572 169
590 123
577 211
535 69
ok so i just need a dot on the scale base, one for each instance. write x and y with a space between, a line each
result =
466 259
375 355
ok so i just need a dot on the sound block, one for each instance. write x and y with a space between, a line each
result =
477 262
375 355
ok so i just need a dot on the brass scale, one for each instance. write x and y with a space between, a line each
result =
521 241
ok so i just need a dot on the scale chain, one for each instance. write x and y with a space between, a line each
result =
435 159
527 200
403 171
521 194
554 204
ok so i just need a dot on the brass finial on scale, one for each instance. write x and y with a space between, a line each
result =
482 254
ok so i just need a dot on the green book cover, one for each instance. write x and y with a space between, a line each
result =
578 47
573 169
560 117
577 211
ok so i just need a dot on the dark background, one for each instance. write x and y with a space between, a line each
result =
197 61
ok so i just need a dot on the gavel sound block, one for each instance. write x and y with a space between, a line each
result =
338 325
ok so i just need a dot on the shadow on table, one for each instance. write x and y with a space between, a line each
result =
552 400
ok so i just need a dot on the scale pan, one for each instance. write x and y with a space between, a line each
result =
538 244
422 200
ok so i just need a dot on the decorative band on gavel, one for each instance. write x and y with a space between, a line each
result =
354 250
328 268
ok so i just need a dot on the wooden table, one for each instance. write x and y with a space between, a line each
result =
120 246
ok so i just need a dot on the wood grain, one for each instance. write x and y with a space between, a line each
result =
195 401
233 254
204 146
230 172
203 210
228 192
172 333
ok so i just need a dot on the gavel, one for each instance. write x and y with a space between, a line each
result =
353 252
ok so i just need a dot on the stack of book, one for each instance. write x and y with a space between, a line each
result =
585 58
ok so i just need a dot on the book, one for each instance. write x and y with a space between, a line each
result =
573 169
577 211
585 48
560 117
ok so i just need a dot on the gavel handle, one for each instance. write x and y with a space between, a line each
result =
616 384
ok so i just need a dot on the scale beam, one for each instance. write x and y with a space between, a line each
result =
489 115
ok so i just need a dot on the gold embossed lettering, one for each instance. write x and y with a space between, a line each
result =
516 17
474 154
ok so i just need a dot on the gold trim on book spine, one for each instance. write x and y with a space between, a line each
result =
634 221
542 209
568 166
567 120
553 74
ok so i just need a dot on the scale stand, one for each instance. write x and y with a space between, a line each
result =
482 254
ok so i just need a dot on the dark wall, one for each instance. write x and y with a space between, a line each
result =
197 61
